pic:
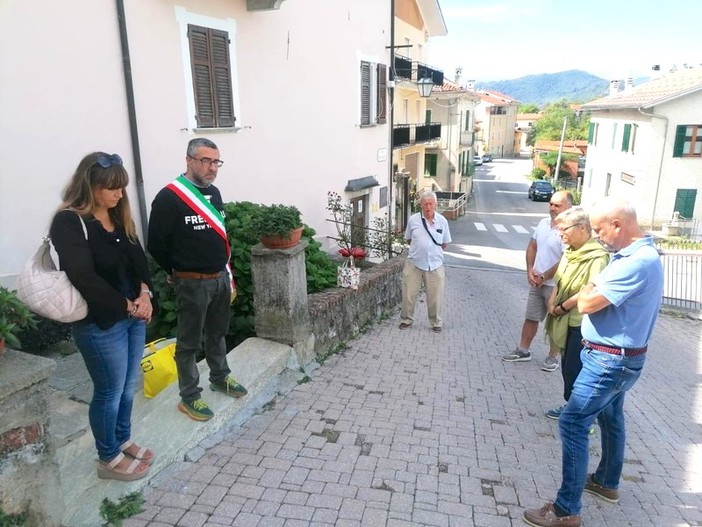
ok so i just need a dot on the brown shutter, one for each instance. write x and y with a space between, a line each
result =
212 80
365 93
202 83
222 79
382 93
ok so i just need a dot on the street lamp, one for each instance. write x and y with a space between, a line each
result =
425 85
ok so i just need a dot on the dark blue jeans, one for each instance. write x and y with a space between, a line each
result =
112 357
203 319
598 393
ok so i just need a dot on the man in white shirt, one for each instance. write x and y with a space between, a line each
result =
428 234
542 257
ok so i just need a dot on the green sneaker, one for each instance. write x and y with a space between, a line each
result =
230 387
196 410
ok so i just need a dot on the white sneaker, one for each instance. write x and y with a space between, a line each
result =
550 364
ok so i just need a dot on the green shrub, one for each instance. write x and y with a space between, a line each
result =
538 173
45 336
240 218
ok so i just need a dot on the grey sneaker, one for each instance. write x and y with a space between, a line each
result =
610 495
550 364
555 413
517 356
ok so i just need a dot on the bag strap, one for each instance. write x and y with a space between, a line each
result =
424 222
47 238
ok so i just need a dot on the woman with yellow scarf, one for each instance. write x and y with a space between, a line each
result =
582 260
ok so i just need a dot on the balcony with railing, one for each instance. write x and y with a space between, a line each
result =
412 134
411 71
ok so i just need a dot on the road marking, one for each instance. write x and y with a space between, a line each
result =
499 227
520 229
480 226
511 192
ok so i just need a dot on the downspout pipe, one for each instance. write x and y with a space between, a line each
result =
133 129
391 124
660 162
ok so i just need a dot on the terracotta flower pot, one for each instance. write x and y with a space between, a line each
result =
282 242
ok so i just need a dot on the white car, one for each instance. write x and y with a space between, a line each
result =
477 160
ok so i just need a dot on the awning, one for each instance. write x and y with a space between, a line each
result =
360 183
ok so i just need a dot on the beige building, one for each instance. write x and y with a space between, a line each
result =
496 118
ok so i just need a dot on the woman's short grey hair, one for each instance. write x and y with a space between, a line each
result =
427 194
575 216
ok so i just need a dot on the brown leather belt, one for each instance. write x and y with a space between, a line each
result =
189 275
626 352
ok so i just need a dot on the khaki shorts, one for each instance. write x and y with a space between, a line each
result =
537 302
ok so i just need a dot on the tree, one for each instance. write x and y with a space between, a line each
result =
551 158
550 125
528 108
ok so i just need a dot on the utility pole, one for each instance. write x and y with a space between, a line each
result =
560 150
391 123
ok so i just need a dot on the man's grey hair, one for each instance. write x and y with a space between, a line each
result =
612 207
199 142
575 216
427 194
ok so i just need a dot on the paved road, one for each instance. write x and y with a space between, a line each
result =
415 428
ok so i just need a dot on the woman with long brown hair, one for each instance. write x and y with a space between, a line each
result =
98 248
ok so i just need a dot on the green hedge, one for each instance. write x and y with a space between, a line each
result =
321 274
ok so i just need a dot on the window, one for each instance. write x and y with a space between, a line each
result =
592 133
430 162
427 116
383 197
373 96
629 138
209 69
685 202
688 140
466 125
614 134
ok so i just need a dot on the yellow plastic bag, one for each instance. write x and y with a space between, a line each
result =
158 365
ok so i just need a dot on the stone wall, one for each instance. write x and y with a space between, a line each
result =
336 315
27 457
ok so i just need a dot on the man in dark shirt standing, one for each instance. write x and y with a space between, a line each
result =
187 238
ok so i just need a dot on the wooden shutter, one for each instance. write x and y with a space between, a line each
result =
365 93
590 133
212 81
685 202
430 162
625 138
680 132
382 93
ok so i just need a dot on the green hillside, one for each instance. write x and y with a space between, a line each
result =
573 85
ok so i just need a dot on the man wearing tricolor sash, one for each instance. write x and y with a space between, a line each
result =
188 239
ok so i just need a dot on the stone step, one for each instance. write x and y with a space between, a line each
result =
266 368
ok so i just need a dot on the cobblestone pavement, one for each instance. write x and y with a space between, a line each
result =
416 428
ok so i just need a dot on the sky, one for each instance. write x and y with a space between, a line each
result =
612 39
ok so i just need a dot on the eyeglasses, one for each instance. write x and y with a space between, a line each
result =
206 161
106 161
563 229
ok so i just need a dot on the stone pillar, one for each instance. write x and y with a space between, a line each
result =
29 475
280 298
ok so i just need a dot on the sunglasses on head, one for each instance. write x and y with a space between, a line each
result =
106 161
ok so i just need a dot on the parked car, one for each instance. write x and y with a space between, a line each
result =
541 190
477 160
487 158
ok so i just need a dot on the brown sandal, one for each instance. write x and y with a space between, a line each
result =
111 470
145 455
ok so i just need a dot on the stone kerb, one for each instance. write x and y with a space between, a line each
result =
337 314
26 451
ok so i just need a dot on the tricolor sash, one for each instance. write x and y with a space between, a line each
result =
193 198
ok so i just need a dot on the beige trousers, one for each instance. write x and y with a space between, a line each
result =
412 280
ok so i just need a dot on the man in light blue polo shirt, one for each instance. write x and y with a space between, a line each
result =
620 308
428 234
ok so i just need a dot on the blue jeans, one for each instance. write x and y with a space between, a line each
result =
598 393
112 357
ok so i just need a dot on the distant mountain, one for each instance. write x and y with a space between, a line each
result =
573 85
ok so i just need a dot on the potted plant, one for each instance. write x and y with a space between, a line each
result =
278 226
14 317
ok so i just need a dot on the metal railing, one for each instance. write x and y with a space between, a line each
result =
451 204
682 288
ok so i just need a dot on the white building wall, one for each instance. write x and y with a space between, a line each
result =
296 81
657 174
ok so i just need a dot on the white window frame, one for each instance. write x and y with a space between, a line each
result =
184 18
